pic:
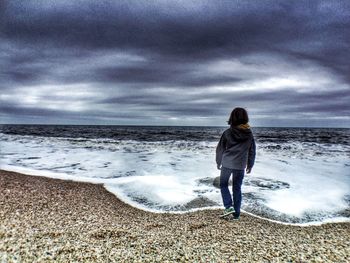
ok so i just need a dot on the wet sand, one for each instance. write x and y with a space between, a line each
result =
48 220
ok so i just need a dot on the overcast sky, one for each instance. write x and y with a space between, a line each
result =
175 62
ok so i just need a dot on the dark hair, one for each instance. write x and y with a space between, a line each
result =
238 116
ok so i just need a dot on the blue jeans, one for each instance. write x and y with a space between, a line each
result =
237 178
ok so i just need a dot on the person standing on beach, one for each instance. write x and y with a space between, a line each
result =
235 153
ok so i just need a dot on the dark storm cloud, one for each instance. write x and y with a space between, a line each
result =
126 51
17 110
14 110
19 76
154 74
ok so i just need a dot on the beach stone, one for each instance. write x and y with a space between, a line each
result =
210 181
216 182
200 202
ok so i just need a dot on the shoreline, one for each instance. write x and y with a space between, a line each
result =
48 219
65 177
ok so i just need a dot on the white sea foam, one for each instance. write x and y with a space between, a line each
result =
316 185
163 176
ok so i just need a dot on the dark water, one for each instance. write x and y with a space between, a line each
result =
166 133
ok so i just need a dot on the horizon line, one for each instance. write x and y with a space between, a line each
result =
141 125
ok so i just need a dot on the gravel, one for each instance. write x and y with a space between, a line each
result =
51 220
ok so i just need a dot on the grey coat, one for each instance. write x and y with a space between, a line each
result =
236 149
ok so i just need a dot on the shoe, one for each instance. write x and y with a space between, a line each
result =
228 211
235 217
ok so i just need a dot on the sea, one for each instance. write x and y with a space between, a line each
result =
301 175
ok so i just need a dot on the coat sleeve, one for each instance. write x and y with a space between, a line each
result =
251 154
220 148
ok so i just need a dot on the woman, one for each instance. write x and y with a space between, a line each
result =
235 152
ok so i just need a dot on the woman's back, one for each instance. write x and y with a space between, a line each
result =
236 148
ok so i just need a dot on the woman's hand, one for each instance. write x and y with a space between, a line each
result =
219 166
248 170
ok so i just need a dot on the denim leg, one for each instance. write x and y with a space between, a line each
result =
237 178
225 192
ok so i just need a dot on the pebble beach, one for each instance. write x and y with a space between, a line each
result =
52 220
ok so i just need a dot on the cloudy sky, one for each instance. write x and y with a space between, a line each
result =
175 62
